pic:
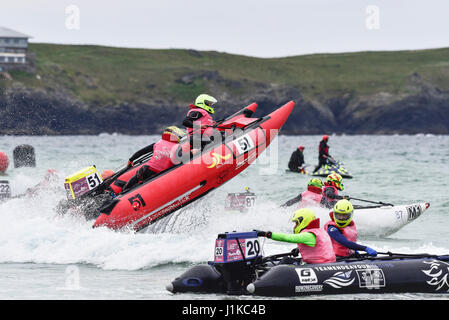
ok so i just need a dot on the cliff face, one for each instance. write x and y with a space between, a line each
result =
27 111
55 98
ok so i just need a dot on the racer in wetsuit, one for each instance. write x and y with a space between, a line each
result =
46 185
199 121
312 196
342 230
314 243
164 156
297 160
331 186
323 153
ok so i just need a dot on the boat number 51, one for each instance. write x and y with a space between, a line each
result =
94 180
244 143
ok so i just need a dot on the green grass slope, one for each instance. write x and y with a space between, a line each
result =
108 75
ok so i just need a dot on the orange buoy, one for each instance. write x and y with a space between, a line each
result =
4 162
107 173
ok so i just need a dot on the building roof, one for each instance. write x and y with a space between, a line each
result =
8 33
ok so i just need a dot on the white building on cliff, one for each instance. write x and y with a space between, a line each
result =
13 46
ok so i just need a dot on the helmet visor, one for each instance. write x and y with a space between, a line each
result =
209 103
297 228
342 216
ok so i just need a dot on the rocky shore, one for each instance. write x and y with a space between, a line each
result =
53 109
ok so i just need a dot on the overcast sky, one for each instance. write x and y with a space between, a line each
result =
257 28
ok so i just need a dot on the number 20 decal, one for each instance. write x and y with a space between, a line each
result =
218 251
253 247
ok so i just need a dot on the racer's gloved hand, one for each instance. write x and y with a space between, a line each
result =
266 234
295 252
371 252
130 164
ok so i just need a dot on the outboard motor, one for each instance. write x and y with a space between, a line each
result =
235 256
243 202
231 271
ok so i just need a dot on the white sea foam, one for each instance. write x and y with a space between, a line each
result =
32 232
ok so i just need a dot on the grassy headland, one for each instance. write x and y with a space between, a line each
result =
107 76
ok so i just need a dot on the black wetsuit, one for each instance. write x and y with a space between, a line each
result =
191 118
323 154
292 201
141 152
188 122
120 183
329 198
296 161
144 173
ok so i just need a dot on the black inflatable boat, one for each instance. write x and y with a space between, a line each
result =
239 268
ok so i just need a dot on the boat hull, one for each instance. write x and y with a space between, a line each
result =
425 275
187 182
381 221
369 276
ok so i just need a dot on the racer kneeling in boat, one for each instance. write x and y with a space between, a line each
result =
311 197
199 121
50 178
314 243
331 186
296 161
343 232
165 151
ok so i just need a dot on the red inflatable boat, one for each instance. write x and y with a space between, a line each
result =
245 139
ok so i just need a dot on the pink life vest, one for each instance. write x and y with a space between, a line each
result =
350 232
162 155
310 198
206 119
323 251
163 158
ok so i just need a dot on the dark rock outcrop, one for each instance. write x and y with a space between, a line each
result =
29 111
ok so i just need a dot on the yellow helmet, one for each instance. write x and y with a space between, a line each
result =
302 218
315 182
336 180
173 134
205 101
343 212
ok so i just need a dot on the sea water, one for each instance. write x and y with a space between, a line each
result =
47 256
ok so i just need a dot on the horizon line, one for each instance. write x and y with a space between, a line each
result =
244 55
